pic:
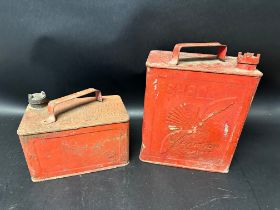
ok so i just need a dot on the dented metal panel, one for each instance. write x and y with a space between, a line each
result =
195 109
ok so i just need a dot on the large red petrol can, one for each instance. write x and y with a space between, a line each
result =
196 105
73 135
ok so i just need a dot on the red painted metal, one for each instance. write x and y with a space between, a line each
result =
195 107
247 61
176 51
75 135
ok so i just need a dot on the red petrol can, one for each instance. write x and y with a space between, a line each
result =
196 105
73 135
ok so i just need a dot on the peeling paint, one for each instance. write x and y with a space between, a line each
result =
155 84
194 129
226 129
143 146
173 127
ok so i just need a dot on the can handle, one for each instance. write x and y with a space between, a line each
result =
53 103
222 50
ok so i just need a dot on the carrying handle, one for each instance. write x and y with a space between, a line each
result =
53 103
222 50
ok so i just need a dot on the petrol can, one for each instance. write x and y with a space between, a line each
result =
74 134
196 105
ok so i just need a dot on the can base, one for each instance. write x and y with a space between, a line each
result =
79 173
225 171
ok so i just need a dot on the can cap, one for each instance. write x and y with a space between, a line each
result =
37 100
247 61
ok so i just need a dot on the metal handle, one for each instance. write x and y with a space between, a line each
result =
53 103
176 51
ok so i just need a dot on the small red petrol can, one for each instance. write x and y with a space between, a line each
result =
73 135
196 105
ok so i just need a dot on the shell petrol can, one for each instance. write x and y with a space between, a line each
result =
74 134
196 105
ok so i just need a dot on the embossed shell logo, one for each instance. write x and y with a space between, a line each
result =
185 120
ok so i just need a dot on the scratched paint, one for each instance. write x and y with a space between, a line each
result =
204 99
226 129
82 135
155 84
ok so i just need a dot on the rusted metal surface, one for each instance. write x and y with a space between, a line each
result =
76 113
194 110
52 104
84 135
37 100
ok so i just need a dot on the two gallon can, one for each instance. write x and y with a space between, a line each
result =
196 105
